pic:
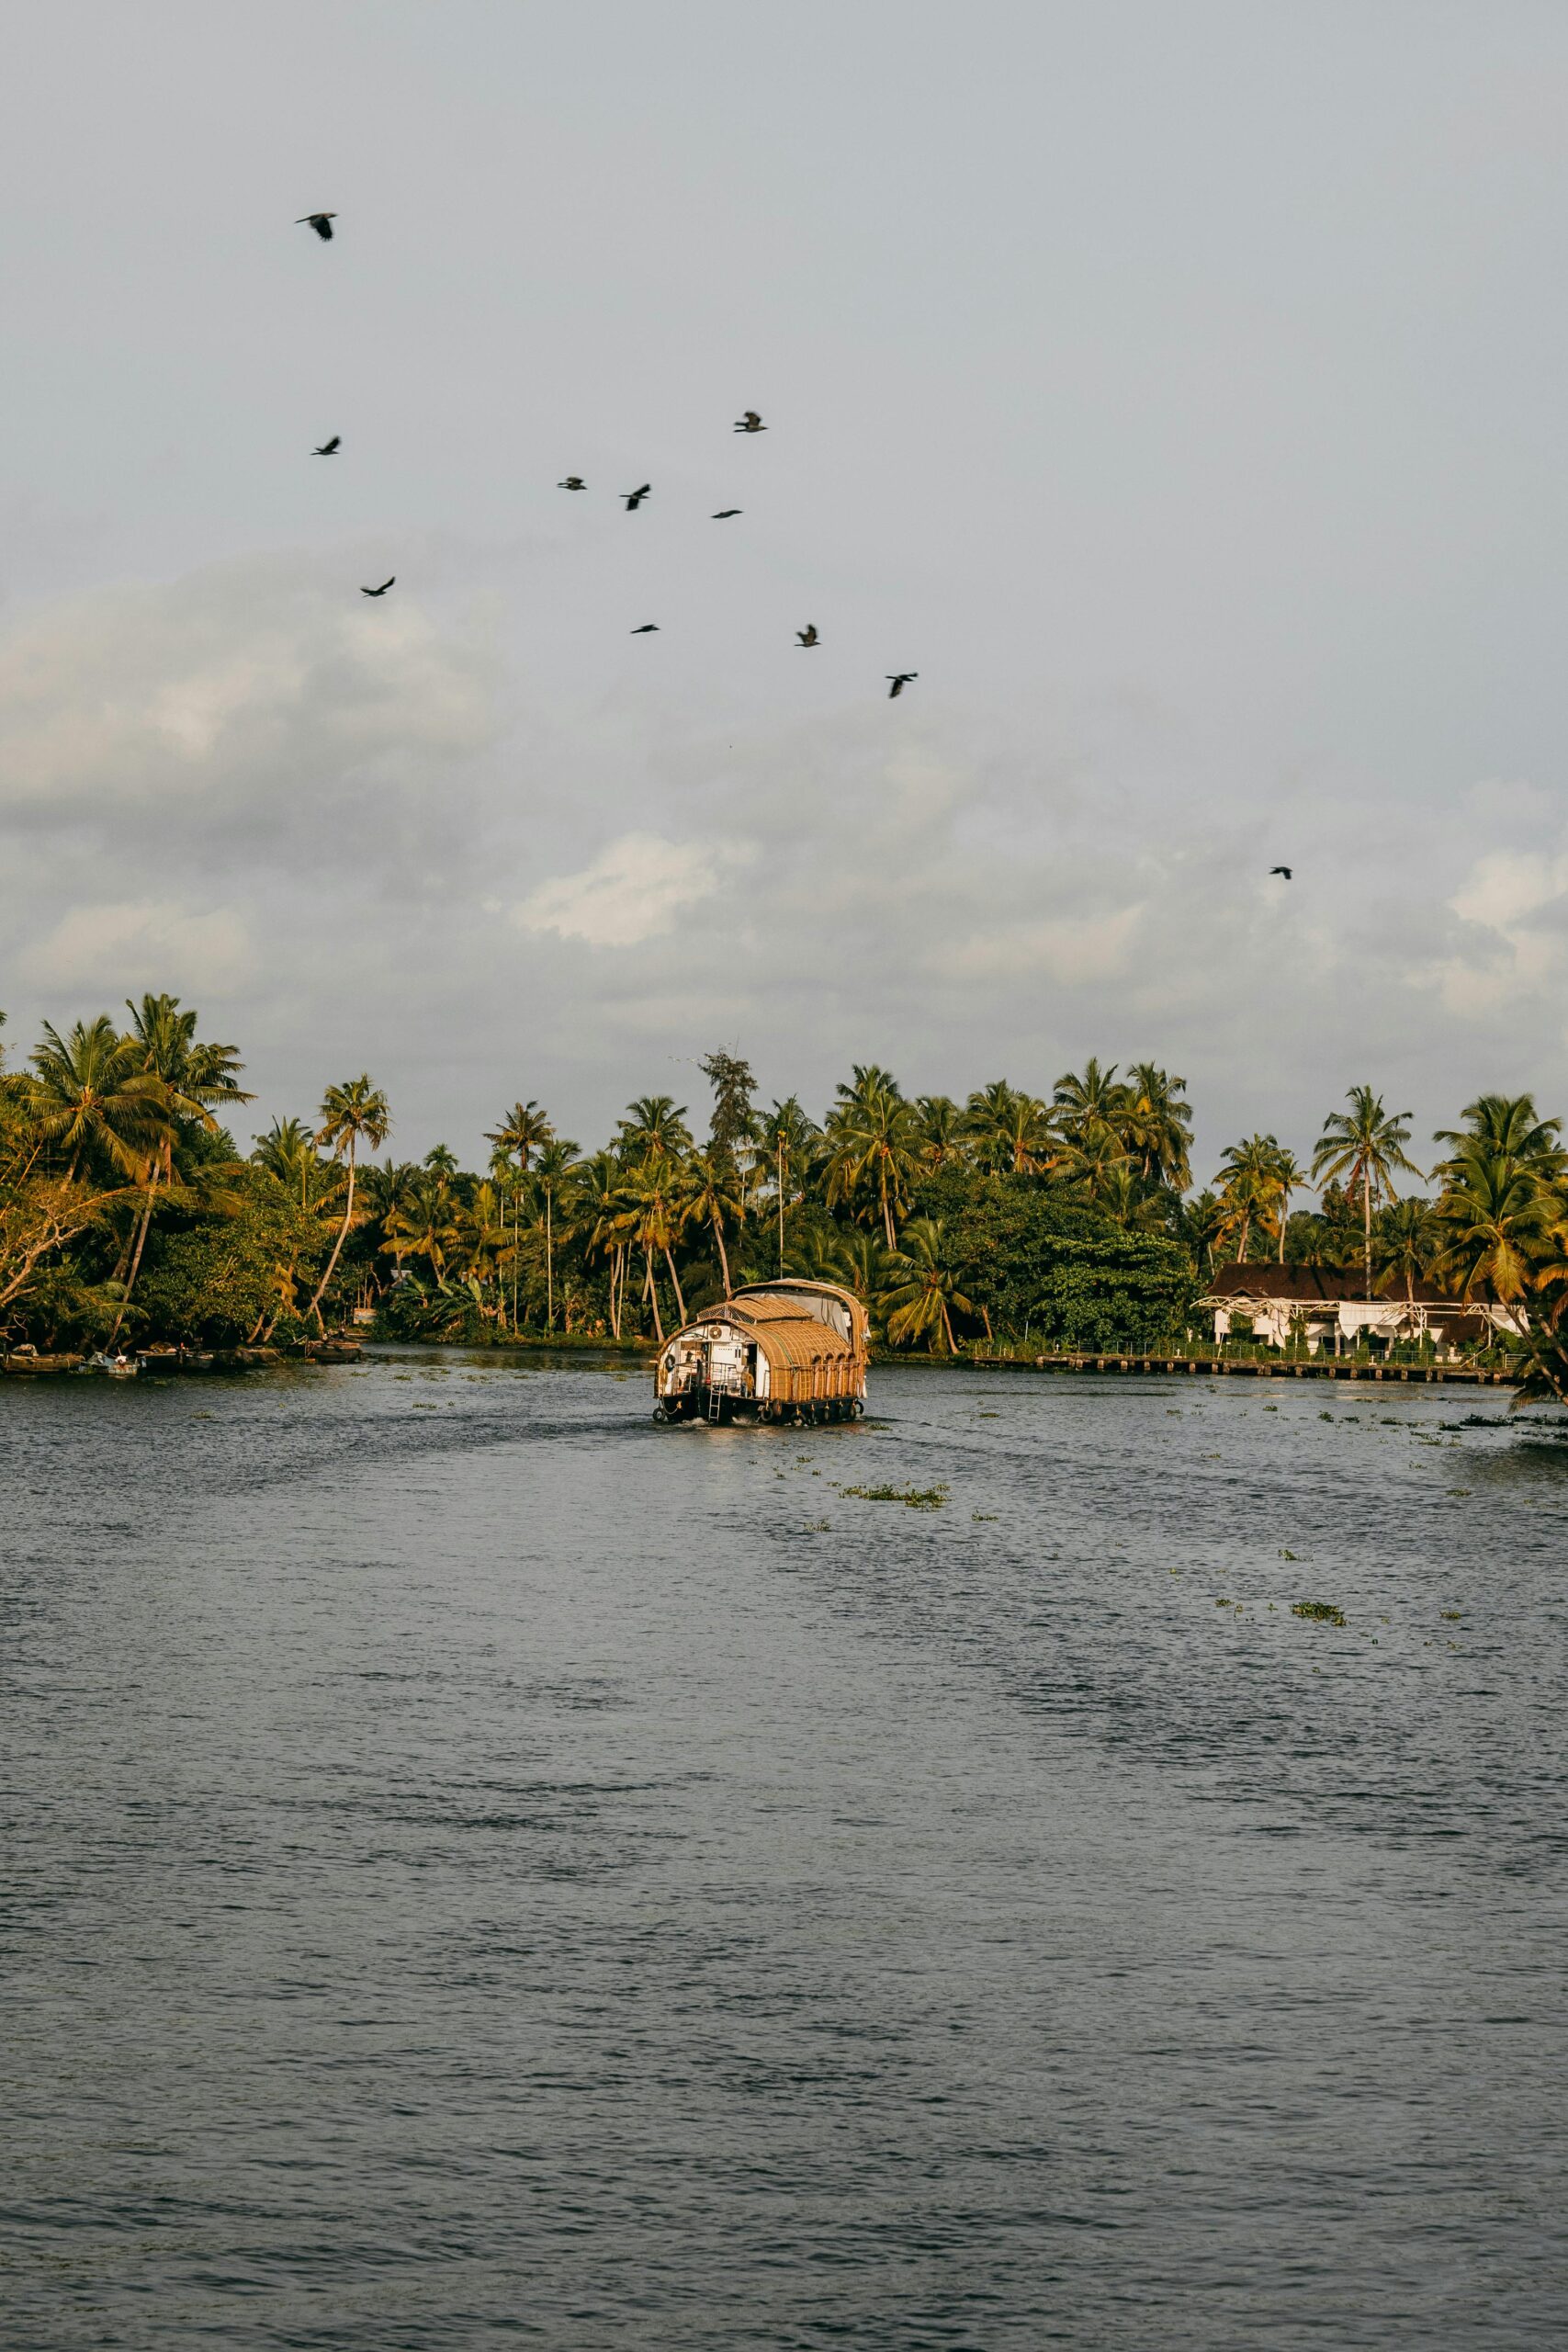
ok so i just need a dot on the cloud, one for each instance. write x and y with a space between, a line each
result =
633 891
123 946
1069 948
1513 941
232 698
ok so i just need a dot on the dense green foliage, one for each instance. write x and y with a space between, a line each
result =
127 1210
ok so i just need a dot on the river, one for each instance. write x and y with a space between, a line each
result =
481 1868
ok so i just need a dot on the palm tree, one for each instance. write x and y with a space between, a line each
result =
1363 1147
791 1140
1246 1188
1290 1175
193 1078
352 1114
1504 1127
711 1192
553 1174
1092 1102
940 1126
872 1142
1156 1126
922 1304
1498 1220
654 1128
424 1223
98 1099
649 1221
1010 1132
523 1130
1407 1239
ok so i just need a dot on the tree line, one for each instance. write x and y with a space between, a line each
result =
127 1211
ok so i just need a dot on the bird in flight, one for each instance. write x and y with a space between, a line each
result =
1280 869
378 591
572 481
634 498
321 222
329 448
900 678
725 513
649 629
749 423
808 635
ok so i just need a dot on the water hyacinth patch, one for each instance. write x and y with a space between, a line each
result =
1322 1613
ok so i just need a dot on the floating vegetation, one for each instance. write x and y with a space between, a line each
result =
912 1498
1284 1555
1450 1616
1325 1417
1322 1613
1459 1494
978 1515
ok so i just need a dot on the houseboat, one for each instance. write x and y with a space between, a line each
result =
775 1352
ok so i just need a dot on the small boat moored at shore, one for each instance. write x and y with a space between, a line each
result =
775 1352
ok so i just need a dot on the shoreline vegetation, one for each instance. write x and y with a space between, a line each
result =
1008 1227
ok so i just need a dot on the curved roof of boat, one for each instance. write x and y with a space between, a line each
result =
784 1332
783 1285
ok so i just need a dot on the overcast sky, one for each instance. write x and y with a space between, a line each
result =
1181 390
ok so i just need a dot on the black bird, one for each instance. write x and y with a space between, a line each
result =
649 629
749 423
321 222
378 591
329 448
900 678
808 635
725 513
572 481
634 498
1280 869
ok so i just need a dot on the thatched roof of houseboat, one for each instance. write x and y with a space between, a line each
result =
785 1334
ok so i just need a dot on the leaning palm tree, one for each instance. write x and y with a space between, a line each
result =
194 1078
353 1113
922 1305
1363 1147
710 1193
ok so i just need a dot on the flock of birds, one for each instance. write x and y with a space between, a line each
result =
750 422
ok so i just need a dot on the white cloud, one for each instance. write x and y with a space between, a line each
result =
127 946
253 682
633 891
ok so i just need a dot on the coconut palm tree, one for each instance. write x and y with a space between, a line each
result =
1408 1238
1249 1186
1290 1175
790 1140
193 1077
1363 1147
353 1113
1094 1101
653 1129
1156 1126
553 1173
1506 1127
710 1193
872 1147
923 1297
1498 1222
651 1221
1010 1132
98 1099
424 1223
940 1126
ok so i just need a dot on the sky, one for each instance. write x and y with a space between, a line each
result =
1179 391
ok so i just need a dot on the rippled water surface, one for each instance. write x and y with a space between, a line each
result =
479 1868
